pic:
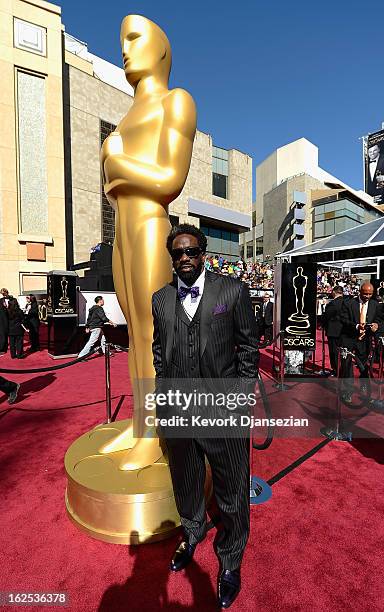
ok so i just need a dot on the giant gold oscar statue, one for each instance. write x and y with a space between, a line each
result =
119 488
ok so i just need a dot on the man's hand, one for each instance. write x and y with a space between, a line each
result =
87 330
374 327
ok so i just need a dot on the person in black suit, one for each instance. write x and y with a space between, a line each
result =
333 326
16 329
33 322
265 318
204 327
375 170
4 320
361 318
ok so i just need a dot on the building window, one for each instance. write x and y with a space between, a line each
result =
221 241
107 212
333 217
219 172
249 250
259 246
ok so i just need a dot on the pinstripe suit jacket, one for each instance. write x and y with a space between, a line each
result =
350 315
228 329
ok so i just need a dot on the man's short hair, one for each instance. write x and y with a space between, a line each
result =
98 298
187 228
338 290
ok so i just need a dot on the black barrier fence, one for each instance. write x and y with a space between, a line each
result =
108 394
61 366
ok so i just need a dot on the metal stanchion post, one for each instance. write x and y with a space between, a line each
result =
313 357
323 371
284 387
280 385
108 402
336 433
378 404
381 363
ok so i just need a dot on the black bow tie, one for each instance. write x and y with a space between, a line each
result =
183 292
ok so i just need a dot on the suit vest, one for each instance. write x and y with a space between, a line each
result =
185 355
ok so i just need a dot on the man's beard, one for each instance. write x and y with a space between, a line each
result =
190 276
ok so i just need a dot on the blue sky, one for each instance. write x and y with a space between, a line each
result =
264 73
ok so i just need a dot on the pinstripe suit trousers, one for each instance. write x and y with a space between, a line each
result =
229 461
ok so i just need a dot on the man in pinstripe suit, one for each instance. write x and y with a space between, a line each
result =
204 327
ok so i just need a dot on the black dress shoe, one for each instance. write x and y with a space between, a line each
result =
229 587
182 557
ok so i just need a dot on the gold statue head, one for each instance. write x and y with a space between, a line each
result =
146 50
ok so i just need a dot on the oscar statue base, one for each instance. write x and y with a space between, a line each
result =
122 507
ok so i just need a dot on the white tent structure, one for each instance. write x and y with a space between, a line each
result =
360 249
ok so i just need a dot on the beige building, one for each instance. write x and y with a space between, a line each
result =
32 219
58 103
297 202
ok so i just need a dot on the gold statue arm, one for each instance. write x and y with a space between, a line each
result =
164 180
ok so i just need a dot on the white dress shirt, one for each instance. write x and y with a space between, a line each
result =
189 303
372 167
363 307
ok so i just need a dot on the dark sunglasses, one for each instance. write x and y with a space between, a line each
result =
177 254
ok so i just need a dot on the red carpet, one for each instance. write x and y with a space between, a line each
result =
316 545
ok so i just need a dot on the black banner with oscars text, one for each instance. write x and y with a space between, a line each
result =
374 167
61 293
298 306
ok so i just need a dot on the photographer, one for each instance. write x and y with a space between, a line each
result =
95 321
361 318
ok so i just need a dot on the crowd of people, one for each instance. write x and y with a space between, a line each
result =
257 275
328 279
16 322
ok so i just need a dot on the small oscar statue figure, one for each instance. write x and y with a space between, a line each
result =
299 318
64 301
